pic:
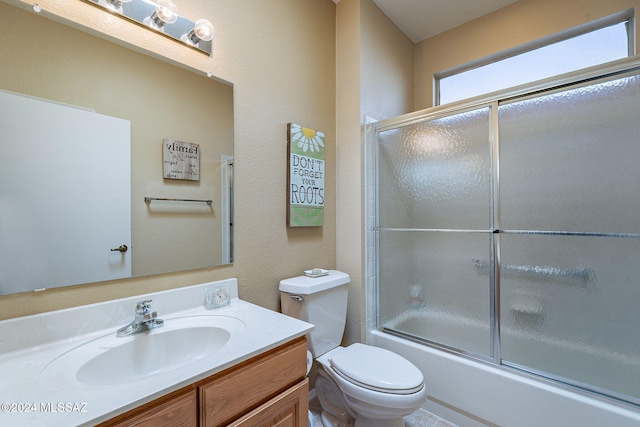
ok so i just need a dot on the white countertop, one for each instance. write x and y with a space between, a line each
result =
28 344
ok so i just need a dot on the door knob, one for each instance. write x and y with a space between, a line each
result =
121 248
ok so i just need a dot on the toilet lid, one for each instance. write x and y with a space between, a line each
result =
377 369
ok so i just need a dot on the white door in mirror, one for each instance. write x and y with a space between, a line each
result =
89 169
217 297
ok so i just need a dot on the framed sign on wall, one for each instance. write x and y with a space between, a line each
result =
305 176
181 160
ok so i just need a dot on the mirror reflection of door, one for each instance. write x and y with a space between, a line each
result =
227 209
77 192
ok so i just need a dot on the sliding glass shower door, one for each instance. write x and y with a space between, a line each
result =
435 221
510 232
569 234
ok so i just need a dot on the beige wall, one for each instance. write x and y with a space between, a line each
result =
280 55
374 69
387 65
349 162
513 25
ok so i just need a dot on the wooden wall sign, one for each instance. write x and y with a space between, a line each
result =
181 160
305 178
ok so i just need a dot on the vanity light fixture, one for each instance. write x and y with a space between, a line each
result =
162 16
202 31
116 5
166 12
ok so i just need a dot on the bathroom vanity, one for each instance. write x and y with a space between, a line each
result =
269 389
239 364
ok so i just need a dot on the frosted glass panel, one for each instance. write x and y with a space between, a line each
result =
569 161
569 307
422 278
436 174
569 234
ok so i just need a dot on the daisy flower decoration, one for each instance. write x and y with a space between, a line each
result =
307 139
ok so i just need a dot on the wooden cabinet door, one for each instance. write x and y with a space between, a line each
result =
289 409
248 385
179 411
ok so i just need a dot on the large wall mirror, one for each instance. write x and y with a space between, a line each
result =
49 68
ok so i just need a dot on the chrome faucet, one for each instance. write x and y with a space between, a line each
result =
145 320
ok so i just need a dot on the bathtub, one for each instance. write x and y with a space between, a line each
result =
472 393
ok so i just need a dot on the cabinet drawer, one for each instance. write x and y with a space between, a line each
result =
248 385
178 409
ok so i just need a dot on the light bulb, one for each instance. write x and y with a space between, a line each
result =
166 13
116 5
202 31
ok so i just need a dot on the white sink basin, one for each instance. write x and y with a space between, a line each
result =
114 360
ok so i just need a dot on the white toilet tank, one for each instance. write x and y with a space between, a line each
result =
321 301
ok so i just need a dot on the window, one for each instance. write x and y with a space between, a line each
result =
585 46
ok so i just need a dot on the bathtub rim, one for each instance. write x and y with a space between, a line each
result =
567 400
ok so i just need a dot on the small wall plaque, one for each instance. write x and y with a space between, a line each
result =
305 180
181 160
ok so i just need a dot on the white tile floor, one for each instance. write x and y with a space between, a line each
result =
420 418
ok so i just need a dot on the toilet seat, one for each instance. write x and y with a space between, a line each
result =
377 369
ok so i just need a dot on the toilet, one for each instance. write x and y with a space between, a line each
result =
358 385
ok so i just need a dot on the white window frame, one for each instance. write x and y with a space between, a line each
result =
626 16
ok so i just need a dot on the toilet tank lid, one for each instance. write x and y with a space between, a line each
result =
305 285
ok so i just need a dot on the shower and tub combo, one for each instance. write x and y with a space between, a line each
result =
503 246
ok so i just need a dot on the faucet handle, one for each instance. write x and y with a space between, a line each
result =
143 307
